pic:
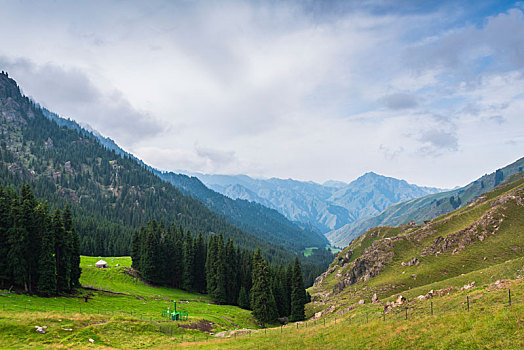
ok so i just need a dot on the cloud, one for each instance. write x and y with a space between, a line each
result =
312 90
70 93
399 100
437 141
497 119
214 156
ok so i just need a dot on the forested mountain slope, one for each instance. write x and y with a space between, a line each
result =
250 216
424 208
263 222
111 195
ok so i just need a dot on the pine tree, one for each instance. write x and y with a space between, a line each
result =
287 284
187 281
298 294
199 262
243 299
17 241
262 300
63 267
4 226
219 294
33 238
231 267
47 262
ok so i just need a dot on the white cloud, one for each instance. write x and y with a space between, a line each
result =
314 91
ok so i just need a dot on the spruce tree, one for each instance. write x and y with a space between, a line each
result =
262 300
187 280
47 262
298 294
4 247
199 262
287 284
231 267
63 267
17 242
243 299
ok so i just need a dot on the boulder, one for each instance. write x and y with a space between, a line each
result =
374 299
40 330
400 300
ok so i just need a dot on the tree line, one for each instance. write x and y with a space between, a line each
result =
168 255
40 251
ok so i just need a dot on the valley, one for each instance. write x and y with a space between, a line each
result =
250 174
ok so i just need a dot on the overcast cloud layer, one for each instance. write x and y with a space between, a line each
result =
430 93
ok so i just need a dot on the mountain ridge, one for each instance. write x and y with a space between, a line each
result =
110 194
424 208
321 206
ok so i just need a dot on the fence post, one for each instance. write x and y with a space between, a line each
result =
406 313
431 308
467 299
384 315
509 295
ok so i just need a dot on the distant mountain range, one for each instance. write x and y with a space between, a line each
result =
325 207
424 208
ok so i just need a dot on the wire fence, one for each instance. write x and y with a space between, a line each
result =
411 310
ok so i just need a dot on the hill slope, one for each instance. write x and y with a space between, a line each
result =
111 195
424 208
326 207
484 235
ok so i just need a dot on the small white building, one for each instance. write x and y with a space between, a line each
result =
101 264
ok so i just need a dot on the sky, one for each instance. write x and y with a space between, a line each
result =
427 91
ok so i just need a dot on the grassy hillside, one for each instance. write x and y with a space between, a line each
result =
124 313
490 323
425 208
390 260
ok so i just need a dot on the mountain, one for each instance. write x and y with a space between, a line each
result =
111 194
426 207
482 242
265 223
325 207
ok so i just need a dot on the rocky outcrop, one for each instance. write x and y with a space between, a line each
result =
370 264
489 223
412 262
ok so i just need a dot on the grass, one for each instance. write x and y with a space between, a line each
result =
126 306
504 245
490 324
308 251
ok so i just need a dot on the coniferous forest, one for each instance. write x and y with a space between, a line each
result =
166 255
40 251
110 195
